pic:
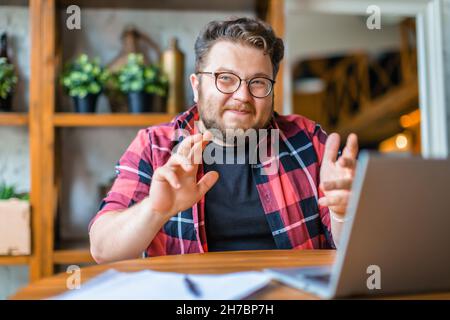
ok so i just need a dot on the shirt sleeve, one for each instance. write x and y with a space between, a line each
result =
133 175
319 139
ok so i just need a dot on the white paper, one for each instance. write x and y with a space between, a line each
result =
153 285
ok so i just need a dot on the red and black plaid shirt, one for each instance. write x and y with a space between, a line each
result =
289 197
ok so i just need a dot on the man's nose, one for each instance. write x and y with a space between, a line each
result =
243 93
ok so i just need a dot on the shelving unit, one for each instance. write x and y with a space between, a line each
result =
43 120
14 119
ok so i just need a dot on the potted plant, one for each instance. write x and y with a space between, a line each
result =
83 79
141 83
15 234
8 80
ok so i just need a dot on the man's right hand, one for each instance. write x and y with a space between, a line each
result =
125 234
174 186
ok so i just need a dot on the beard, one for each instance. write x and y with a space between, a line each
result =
212 118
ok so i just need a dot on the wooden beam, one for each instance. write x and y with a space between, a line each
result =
14 260
42 95
35 138
72 256
398 101
276 18
13 119
198 5
14 3
110 120
48 133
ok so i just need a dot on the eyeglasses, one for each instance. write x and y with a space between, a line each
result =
228 82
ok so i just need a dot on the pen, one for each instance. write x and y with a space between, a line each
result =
193 288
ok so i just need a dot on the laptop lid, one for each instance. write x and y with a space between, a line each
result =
396 239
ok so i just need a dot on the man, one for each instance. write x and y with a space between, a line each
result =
167 201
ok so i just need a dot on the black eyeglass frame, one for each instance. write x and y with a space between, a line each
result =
217 74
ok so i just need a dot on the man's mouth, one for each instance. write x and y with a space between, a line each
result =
239 111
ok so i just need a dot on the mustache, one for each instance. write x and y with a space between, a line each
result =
246 107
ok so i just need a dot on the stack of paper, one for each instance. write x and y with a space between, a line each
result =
155 285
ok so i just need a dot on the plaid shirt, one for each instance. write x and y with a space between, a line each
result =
288 197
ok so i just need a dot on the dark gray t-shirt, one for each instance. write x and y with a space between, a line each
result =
234 216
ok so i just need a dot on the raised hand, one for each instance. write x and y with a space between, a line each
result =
336 175
174 186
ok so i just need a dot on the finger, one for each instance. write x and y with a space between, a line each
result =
323 202
351 147
206 183
334 200
331 147
196 152
207 136
177 160
195 155
165 174
340 184
187 144
345 162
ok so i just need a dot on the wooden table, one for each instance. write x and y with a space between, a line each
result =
213 262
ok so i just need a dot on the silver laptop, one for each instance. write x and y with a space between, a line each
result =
396 238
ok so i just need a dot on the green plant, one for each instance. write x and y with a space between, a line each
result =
137 76
83 76
8 78
8 192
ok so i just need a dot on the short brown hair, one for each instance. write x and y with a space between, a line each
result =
253 32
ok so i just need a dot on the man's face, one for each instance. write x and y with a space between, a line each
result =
238 110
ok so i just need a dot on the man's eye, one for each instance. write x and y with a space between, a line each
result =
225 78
259 82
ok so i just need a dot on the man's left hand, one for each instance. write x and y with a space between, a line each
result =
336 175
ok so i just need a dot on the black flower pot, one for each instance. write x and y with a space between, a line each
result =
86 104
6 104
139 102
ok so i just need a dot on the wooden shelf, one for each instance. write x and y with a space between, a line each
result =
13 119
14 260
203 5
16 3
110 119
72 256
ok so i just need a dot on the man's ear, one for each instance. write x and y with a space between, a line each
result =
195 84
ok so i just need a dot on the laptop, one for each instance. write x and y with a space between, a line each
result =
396 236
